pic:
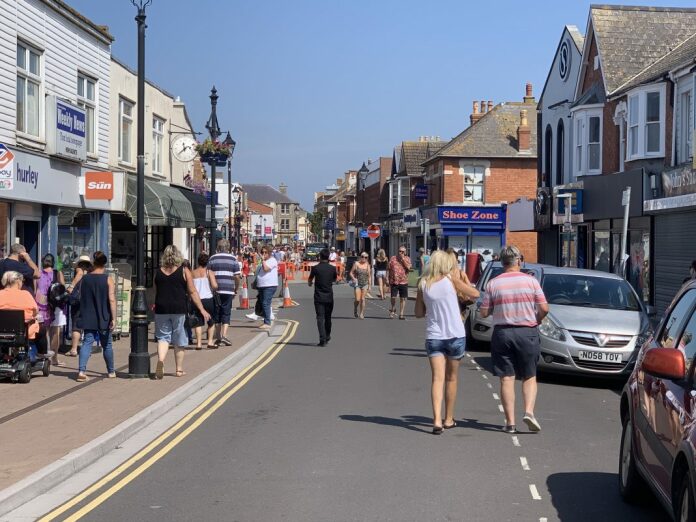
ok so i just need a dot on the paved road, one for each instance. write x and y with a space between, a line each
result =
343 433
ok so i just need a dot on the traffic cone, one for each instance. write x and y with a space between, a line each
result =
244 298
287 300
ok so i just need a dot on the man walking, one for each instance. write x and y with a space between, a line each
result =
323 277
517 304
399 267
227 273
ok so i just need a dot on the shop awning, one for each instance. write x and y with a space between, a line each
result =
199 204
164 205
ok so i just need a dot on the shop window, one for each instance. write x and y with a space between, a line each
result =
87 99
473 183
638 264
157 140
125 131
4 229
602 254
77 236
29 83
646 117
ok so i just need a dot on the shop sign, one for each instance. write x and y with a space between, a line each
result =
471 215
330 224
411 218
6 168
66 130
99 185
363 234
420 191
575 201
679 181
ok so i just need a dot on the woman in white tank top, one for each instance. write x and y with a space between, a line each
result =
205 283
439 291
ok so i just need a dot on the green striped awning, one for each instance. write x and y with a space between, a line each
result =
164 205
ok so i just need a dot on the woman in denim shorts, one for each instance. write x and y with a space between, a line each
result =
173 286
438 297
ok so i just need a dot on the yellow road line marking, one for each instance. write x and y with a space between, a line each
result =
279 345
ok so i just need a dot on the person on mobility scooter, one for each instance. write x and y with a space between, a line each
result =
23 343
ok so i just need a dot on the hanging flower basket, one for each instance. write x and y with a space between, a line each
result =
213 152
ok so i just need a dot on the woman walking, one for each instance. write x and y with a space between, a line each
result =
97 312
47 314
267 283
205 283
381 265
438 301
173 286
361 275
82 267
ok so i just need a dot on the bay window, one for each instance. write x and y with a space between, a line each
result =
646 122
588 141
405 187
29 98
685 125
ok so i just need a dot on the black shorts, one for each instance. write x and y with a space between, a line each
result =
399 290
515 351
223 312
209 305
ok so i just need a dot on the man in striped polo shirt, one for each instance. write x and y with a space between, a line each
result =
517 304
227 273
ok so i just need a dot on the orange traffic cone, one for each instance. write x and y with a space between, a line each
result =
244 298
287 300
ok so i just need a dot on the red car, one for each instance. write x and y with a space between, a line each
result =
658 413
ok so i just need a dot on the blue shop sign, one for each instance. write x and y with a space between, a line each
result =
363 234
66 130
575 201
330 224
471 215
420 191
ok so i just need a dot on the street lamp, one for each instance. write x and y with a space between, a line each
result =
263 230
214 131
231 144
235 196
139 358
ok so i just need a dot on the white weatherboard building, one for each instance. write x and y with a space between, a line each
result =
54 131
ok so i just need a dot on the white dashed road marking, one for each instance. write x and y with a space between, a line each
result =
500 407
489 385
524 463
484 376
496 396
535 492
516 441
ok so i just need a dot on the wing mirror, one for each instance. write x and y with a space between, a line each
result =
666 363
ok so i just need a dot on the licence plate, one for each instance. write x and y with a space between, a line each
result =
586 355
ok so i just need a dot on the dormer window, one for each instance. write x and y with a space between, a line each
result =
646 123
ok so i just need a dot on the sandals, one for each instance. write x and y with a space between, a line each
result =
180 373
402 317
453 425
81 377
159 371
437 430
392 314
70 354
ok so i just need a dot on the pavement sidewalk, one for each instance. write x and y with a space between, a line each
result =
50 417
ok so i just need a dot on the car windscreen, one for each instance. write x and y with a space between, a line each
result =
589 291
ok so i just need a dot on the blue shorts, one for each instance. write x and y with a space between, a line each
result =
170 328
451 348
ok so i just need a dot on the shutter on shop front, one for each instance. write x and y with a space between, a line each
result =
675 249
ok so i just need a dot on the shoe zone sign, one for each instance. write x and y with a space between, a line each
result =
66 130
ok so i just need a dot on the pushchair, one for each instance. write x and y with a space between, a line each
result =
18 357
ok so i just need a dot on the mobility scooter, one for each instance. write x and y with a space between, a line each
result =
18 357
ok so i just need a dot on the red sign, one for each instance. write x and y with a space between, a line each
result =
373 231
99 185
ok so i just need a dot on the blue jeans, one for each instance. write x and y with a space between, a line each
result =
266 294
103 337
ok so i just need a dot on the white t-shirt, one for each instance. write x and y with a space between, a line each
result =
333 256
270 278
443 319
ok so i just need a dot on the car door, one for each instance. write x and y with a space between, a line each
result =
661 401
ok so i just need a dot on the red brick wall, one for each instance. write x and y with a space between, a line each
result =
611 138
591 75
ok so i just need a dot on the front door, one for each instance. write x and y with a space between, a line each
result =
28 234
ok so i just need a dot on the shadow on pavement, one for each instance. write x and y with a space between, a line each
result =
582 496
409 422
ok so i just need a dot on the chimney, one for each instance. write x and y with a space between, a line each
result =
529 97
475 115
483 107
524 133
283 189
490 105
339 181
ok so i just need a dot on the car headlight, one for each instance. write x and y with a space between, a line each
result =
549 329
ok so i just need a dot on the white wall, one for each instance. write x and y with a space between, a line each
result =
68 46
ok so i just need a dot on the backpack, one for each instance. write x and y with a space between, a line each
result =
57 295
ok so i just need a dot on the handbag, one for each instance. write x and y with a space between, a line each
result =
193 317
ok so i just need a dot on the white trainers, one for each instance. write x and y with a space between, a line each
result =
252 317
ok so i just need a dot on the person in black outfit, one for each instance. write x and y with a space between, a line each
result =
20 261
323 277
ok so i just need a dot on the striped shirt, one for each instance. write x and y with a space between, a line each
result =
226 268
513 296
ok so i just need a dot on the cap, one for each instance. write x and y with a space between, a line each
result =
83 258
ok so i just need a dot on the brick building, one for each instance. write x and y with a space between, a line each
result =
372 200
473 177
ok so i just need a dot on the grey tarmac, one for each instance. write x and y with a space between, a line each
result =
342 433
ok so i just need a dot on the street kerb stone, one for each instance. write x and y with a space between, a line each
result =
27 482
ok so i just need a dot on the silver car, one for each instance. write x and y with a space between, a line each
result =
596 323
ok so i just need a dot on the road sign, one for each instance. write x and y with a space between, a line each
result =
330 224
373 231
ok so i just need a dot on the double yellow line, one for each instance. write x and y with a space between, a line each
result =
212 403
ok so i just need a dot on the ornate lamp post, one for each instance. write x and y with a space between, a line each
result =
236 195
230 144
139 358
214 131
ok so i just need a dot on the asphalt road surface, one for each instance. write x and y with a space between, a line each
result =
343 433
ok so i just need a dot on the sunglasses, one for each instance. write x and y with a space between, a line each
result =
402 251
364 257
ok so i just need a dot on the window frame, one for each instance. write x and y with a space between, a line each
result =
685 126
285 224
640 141
85 102
285 209
482 183
27 76
121 116
157 145
404 194
581 139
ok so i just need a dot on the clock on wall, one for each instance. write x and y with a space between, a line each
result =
564 60
184 148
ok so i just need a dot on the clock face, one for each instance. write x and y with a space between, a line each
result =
184 148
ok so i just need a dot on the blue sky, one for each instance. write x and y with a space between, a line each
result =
312 88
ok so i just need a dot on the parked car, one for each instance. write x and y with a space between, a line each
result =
311 252
658 411
595 323
480 329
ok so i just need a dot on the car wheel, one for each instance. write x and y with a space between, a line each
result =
684 509
631 484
